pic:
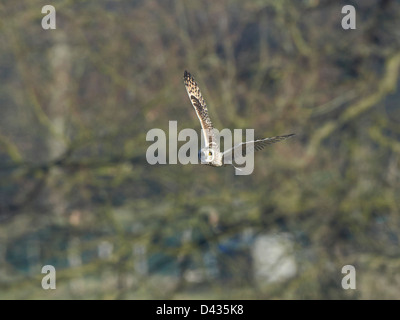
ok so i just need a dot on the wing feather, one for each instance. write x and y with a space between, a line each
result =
256 145
200 107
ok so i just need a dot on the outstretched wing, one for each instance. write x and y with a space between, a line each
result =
200 106
252 146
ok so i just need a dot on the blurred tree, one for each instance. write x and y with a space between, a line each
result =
76 190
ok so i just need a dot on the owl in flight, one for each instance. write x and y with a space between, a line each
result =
211 154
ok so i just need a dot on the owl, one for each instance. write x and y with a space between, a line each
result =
210 154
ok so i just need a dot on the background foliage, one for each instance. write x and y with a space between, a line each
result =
76 190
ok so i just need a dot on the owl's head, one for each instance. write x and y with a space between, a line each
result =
206 155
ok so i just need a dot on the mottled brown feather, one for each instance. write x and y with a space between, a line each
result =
199 105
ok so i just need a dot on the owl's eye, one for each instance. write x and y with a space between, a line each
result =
210 153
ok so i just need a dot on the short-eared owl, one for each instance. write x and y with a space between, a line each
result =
211 154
